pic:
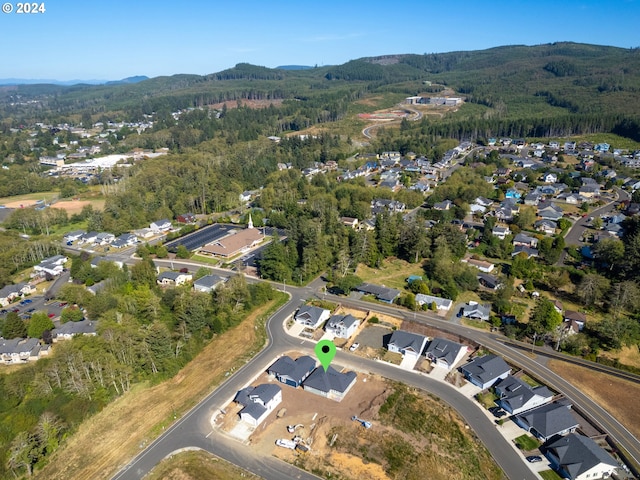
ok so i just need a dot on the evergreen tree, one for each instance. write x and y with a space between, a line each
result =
14 327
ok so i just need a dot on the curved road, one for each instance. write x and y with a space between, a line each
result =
194 429
572 238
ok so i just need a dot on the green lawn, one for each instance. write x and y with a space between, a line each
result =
487 399
205 259
393 273
482 325
550 475
526 442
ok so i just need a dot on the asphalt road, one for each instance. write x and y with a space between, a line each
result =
194 429
576 231
515 356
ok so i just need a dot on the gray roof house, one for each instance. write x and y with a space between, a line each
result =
445 353
258 402
68 330
384 294
407 343
476 311
311 316
173 278
548 420
331 384
528 251
208 283
21 350
488 281
525 240
292 372
485 371
342 326
577 457
441 303
516 396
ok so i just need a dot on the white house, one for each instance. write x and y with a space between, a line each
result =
68 330
52 265
160 225
174 278
516 396
500 232
483 266
258 402
311 316
407 343
577 457
442 304
342 326
208 283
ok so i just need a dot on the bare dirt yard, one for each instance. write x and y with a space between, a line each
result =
392 448
75 206
617 396
108 440
318 415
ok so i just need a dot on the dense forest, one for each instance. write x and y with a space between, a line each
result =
145 334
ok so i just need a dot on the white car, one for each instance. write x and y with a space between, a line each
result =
282 442
354 347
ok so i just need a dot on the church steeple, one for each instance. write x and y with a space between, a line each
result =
250 224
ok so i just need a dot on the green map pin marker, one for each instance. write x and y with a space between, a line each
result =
325 351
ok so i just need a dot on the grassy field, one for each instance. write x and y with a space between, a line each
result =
197 465
393 273
617 396
30 197
108 440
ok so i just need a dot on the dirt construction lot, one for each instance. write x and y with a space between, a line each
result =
317 415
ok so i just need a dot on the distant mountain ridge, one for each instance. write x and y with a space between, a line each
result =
294 67
67 83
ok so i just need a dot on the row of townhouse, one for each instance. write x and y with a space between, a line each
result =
550 419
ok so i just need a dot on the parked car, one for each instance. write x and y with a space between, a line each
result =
3 312
354 347
534 458
26 301
51 315
31 310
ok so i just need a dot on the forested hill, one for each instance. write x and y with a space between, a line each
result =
571 77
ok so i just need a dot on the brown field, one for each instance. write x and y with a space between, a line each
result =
197 465
626 355
617 396
21 203
108 440
75 206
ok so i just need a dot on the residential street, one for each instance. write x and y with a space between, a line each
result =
194 429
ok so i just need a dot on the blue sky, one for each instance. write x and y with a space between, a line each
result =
115 39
